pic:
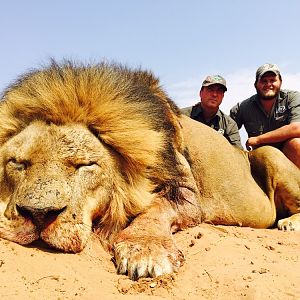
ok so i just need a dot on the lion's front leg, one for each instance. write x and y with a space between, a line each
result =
146 247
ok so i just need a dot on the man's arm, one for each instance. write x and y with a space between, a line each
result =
232 134
278 135
235 114
294 106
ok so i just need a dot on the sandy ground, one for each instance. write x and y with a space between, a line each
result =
221 263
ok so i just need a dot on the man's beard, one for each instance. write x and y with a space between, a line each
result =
268 97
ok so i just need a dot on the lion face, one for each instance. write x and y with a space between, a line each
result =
57 181
84 149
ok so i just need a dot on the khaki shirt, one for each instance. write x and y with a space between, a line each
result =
251 114
221 122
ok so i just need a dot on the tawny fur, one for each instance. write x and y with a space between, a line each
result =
104 98
104 148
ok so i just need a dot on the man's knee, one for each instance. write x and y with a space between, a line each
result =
291 149
292 145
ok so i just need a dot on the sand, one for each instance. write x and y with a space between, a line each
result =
222 262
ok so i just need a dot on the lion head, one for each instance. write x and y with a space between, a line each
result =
83 149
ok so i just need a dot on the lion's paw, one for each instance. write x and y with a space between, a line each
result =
290 224
147 257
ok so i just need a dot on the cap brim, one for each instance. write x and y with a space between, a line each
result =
216 83
268 71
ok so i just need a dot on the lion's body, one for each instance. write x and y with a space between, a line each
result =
230 195
253 189
102 148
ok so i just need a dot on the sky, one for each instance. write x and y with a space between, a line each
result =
180 41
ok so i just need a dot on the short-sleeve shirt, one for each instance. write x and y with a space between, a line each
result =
221 122
256 121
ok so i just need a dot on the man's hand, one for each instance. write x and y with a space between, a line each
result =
252 143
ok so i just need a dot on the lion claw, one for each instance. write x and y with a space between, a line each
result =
148 260
286 225
290 224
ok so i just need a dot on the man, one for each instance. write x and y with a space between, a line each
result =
207 110
272 116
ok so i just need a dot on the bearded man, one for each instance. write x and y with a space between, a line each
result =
272 116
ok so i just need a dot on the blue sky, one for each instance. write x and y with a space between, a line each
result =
180 41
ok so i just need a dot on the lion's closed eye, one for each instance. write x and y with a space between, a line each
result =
18 165
85 165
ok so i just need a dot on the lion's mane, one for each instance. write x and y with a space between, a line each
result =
126 109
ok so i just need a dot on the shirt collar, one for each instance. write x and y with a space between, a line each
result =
197 110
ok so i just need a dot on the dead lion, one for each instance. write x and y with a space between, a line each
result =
101 149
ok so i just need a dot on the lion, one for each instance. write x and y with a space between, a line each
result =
101 150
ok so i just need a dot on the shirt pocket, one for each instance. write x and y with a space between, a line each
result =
281 118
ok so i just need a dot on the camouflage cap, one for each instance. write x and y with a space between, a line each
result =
267 68
214 79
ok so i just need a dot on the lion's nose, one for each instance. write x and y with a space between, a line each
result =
41 217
